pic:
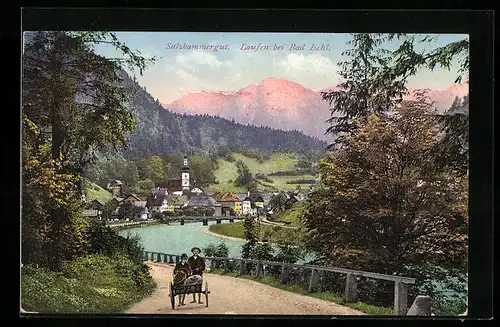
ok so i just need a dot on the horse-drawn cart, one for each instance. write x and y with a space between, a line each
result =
179 286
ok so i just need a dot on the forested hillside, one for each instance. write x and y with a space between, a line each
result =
159 131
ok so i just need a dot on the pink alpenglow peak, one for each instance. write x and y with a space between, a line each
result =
282 104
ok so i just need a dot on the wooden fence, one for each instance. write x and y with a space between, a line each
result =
351 284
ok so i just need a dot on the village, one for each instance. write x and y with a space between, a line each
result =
181 197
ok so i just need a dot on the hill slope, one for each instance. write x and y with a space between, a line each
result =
94 191
227 173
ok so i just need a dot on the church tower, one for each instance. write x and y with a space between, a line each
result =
185 175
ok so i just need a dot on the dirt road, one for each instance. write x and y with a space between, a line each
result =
234 296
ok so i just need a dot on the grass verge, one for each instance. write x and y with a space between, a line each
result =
273 234
90 284
326 296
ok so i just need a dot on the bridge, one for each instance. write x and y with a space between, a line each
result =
204 219
290 273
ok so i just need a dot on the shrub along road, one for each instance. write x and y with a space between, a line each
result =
231 295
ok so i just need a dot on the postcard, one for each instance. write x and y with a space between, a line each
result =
244 173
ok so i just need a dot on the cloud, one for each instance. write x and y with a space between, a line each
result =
313 70
197 59
199 70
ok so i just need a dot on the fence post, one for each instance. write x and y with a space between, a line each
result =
165 258
177 259
422 306
170 259
152 256
259 264
284 273
351 288
145 255
242 267
400 298
313 280
158 258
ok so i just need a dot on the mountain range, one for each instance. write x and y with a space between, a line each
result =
285 105
159 131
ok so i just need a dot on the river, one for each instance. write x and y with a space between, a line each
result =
177 239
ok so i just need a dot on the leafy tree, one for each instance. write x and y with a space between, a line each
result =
82 101
52 224
151 168
103 240
303 162
173 163
74 95
144 186
130 177
452 150
385 205
108 209
202 170
244 175
128 211
262 251
250 235
278 202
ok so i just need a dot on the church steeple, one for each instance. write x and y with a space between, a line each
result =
185 174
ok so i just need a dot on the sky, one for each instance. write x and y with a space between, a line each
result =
177 72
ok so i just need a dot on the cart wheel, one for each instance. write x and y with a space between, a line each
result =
172 297
206 293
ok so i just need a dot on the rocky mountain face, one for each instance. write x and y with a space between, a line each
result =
282 104
159 131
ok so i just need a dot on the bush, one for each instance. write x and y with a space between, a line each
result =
216 250
263 177
103 240
301 181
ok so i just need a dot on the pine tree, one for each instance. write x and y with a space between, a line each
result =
363 91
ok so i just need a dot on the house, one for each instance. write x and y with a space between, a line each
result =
92 214
96 204
246 206
203 202
197 191
158 201
253 203
144 214
115 187
229 202
131 198
173 186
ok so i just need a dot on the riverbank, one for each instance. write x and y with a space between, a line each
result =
208 232
273 234
132 225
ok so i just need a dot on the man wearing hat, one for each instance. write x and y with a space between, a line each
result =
197 265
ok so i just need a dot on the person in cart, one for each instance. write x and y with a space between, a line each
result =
197 265
182 271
